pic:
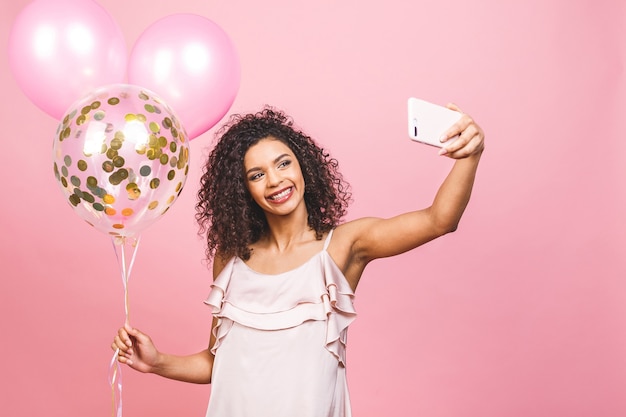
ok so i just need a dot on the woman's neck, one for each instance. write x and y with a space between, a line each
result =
287 231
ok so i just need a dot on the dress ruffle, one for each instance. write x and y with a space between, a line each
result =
332 302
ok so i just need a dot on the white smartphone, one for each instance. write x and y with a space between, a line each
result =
428 121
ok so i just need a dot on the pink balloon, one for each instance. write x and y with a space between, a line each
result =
121 158
59 50
192 63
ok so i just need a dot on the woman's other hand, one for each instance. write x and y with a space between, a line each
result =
136 349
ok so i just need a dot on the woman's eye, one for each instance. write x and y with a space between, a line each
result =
256 176
284 163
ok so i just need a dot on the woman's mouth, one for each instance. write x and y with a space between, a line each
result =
281 195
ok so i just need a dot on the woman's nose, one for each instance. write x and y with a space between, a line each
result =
273 178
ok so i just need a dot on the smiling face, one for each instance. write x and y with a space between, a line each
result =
274 178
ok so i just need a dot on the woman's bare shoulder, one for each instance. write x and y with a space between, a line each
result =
219 262
348 236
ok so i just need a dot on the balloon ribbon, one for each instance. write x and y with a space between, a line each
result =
121 245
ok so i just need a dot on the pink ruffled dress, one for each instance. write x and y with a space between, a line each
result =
280 347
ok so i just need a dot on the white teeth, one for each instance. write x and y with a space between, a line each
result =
280 195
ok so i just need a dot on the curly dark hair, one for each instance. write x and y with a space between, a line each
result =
226 211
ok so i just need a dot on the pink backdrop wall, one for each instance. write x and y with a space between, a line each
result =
520 313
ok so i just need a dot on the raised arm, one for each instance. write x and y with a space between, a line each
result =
371 238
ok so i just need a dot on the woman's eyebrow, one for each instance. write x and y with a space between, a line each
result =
278 158
281 157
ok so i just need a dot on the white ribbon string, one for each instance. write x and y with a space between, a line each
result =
115 381
120 245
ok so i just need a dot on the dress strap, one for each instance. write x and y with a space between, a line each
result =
327 242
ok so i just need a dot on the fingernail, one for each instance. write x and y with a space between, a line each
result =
443 151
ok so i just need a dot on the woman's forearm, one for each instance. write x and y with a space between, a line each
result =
455 192
194 368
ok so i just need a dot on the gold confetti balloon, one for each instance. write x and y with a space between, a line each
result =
121 158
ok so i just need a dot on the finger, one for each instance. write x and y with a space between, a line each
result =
137 335
465 128
132 331
465 144
457 129
459 143
124 338
121 344
125 356
465 137
125 360
118 343
472 146
453 106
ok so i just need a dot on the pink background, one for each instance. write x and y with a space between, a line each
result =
520 313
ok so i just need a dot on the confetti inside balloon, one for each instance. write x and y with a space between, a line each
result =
121 158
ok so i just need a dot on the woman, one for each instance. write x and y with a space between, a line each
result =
285 267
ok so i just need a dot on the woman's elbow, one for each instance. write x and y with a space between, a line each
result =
445 227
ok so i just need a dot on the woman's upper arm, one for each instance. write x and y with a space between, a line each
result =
379 238
219 262
218 266
212 336
358 242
